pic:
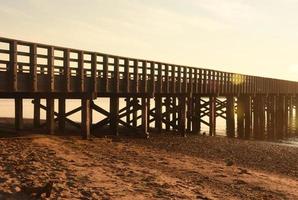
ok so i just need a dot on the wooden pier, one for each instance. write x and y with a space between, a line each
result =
158 96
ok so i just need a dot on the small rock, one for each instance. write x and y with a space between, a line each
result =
229 162
16 189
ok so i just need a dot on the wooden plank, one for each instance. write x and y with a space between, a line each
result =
196 81
94 72
185 79
167 82
173 79
144 70
190 80
13 66
81 71
66 69
33 67
159 78
51 69
105 73
116 78
136 75
152 77
126 76
179 81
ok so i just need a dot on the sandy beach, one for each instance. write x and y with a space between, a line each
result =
163 167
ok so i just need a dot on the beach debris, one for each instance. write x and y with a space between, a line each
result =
229 162
37 192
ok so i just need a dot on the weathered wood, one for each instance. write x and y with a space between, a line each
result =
182 116
158 113
247 117
240 117
81 71
51 69
145 118
66 69
13 66
296 115
230 119
50 109
212 115
114 115
33 66
85 123
61 112
135 113
18 114
36 113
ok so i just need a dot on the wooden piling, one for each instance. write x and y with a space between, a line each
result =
182 116
61 112
114 115
212 115
247 117
18 113
85 123
50 115
145 118
158 113
36 112
197 115
240 117
230 119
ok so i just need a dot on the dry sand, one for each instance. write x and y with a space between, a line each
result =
163 167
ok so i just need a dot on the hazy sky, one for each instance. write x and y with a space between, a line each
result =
258 37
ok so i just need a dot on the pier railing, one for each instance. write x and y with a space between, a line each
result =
39 68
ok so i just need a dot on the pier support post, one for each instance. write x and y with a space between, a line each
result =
36 113
182 116
290 117
271 117
50 115
259 117
281 110
19 113
296 115
145 118
212 115
197 115
135 113
127 100
114 113
247 117
240 117
85 123
158 113
189 114
230 120
167 103
61 112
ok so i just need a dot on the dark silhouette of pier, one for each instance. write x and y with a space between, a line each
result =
183 96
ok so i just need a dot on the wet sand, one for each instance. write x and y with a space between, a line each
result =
163 167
